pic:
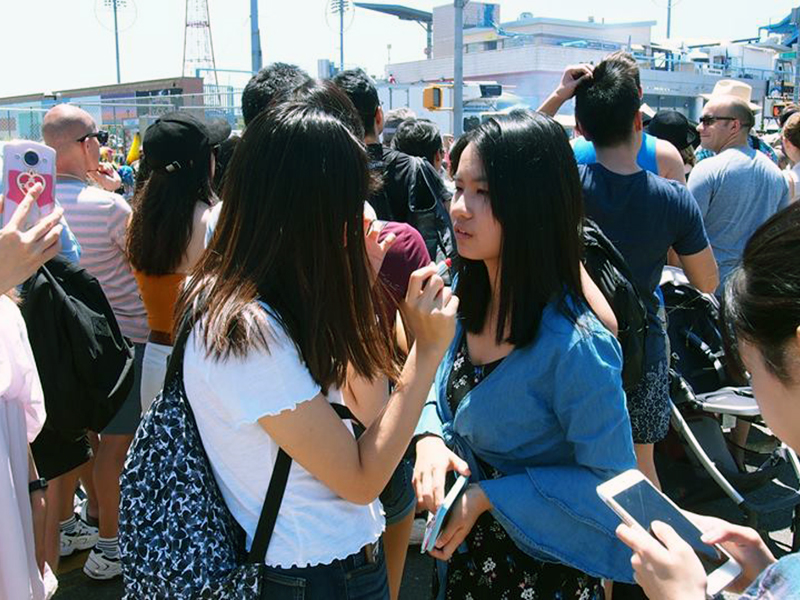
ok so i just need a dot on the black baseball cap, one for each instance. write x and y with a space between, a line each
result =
674 127
175 139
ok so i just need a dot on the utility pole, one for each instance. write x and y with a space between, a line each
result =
341 35
458 69
116 37
255 38
669 17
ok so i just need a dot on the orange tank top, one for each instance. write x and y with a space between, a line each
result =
159 294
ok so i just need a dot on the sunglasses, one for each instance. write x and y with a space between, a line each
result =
708 120
102 137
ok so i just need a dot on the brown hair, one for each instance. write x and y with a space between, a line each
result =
791 129
290 234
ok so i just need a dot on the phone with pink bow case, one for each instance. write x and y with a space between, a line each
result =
26 163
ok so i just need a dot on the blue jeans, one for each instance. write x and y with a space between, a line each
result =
357 577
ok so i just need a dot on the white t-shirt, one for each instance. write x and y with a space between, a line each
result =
314 526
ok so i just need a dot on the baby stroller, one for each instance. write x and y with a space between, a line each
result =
695 459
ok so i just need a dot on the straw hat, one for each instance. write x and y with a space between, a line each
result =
732 87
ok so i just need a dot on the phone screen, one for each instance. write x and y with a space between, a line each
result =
645 505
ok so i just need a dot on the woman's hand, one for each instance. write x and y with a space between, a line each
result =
429 311
668 572
742 543
23 252
434 460
461 519
376 251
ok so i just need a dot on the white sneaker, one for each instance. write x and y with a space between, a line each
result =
82 538
100 566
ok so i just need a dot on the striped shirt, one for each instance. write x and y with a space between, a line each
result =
99 220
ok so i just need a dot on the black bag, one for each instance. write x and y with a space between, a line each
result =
414 193
695 338
177 537
611 274
84 362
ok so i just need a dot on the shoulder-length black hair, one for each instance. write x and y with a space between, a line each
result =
163 215
535 195
761 300
291 234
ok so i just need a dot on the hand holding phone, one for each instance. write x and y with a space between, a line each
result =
25 251
662 537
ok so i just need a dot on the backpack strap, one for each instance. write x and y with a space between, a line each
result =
272 503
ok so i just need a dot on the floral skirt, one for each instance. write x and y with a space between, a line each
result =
495 569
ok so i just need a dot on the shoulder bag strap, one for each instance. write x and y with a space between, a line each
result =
272 503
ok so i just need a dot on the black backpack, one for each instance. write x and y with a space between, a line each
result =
695 338
611 274
84 362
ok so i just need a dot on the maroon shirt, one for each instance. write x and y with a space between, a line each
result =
407 254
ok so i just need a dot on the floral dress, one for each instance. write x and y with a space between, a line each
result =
494 568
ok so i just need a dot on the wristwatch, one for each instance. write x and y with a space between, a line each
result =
37 484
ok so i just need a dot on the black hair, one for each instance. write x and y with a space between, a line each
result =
418 137
223 156
787 112
361 90
330 99
761 300
607 103
291 234
535 195
270 84
163 214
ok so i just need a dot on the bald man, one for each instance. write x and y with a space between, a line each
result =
739 188
99 220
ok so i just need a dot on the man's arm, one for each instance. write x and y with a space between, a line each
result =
701 269
669 161
573 76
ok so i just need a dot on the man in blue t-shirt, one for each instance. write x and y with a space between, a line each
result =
644 215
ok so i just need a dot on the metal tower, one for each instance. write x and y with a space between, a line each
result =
198 48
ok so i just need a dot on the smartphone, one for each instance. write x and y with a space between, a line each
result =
436 521
638 503
26 163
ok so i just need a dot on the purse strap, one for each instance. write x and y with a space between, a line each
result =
280 471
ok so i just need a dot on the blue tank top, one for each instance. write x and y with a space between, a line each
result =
585 154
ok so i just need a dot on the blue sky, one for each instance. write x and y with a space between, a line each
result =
58 44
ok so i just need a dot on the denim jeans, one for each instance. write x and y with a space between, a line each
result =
352 578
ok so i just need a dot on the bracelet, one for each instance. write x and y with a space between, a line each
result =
37 484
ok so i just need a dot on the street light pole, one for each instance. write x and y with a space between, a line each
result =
116 38
458 69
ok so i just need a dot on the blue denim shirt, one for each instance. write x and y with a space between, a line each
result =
70 248
552 418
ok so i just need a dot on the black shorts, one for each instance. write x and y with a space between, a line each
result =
57 453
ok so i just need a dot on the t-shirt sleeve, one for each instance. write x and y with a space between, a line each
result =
701 186
120 213
265 382
691 236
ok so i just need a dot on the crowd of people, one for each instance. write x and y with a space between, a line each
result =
335 256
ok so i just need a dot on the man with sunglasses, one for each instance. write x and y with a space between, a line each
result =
99 220
737 189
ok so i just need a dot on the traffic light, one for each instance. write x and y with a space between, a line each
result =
432 97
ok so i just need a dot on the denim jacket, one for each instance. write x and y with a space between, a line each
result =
552 418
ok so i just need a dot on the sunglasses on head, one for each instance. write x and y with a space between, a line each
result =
102 137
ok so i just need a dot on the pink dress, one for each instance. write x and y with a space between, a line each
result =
22 415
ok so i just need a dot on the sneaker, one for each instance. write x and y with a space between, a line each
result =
100 566
84 537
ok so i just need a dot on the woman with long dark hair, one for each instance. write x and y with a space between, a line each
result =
165 235
761 313
281 307
529 394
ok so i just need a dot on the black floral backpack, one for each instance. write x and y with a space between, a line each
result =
177 537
